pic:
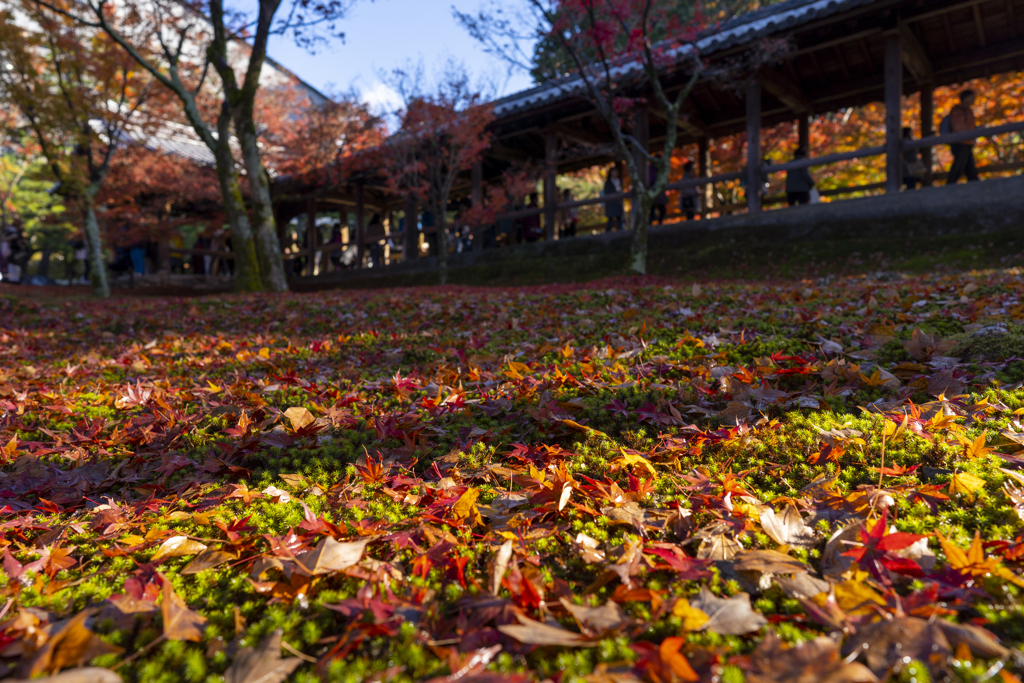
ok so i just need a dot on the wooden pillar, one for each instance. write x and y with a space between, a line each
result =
163 257
360 227
803 125
310 235
754 145
704 171
550 186
927 128
411 248
477 197
893 118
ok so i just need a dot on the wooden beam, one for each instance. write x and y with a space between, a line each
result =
893 113
978 25
914 55
803 125
785 90
753 145
581 135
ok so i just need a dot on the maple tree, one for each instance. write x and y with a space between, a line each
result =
79 95
442 134
626 57
180 44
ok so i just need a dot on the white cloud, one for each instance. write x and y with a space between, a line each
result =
382 98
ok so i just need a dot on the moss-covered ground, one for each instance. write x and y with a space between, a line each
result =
631 479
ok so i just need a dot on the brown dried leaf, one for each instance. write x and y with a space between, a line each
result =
177 546
597 620
72 644
813 661
767 562
729 617
208 559
180 623
787 527
299 417
532 632
718 547
332 556
262 665
886 643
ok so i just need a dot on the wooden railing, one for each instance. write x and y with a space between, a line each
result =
767 169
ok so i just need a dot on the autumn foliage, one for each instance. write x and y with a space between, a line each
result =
627 480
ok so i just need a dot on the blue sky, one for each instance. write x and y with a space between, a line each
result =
385 34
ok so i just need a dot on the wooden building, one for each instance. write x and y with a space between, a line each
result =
840 53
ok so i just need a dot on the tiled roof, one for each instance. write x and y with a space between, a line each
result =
742 29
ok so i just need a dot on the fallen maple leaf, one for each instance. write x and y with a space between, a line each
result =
967 485
973 562
728 616
176 546
812 661
262 664
180 623
332 556
71 644
531 632
299 417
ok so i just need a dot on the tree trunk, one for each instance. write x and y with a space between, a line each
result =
243 246
268 247
641 221
98 269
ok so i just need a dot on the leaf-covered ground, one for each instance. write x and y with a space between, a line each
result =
816 480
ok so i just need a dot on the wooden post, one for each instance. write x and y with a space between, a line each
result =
927 129
704 170
893 118
803 125
477 197
754 145
360 227
310 236
550 186
411 248
163 257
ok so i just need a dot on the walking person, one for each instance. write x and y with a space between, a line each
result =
913 165
532 232
799 182
961 118
689 196
613 209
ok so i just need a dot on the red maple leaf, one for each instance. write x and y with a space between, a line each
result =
877 554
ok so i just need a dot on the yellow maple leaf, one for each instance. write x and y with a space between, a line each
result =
966 484
11 449
631 459
465 507
975 449
973 562
692 617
